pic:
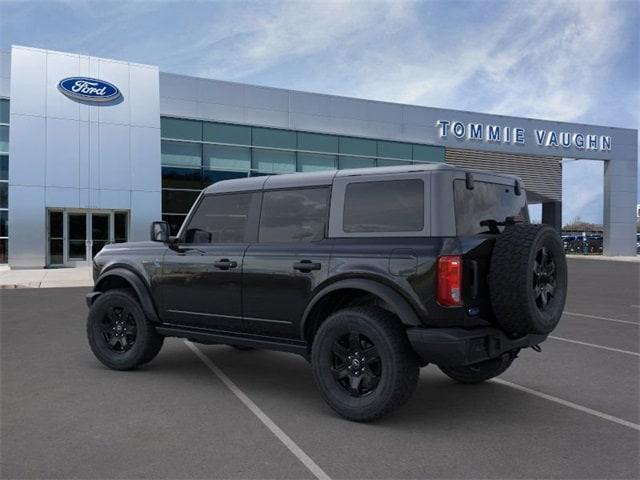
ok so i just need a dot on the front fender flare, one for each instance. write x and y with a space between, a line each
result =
136 283
397 302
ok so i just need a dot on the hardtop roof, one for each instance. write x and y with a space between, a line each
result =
311 179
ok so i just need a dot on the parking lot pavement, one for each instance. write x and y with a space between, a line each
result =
604 288
64 415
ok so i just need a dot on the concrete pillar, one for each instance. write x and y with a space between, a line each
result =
620 198
552 214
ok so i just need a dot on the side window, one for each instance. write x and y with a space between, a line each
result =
384 206
220 219
297 215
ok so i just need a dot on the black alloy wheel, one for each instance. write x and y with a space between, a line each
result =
119 333
544 278
357 366
528 279
119 329
363 364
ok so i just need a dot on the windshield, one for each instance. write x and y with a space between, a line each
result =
487 201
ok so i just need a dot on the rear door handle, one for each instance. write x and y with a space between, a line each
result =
306 266
225 264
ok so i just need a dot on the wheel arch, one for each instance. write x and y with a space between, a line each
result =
343 293
121 277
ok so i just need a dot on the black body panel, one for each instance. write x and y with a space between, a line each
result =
278 281
201 286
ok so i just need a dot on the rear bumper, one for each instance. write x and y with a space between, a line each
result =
457 346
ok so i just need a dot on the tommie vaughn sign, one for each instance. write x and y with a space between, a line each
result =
88 89
479 132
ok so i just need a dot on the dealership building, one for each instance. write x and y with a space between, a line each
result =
92 150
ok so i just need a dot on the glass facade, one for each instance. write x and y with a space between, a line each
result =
196 154
4 180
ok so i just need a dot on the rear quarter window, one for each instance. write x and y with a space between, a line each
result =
487 201
384 206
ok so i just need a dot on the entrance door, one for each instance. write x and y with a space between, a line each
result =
100 231
76 236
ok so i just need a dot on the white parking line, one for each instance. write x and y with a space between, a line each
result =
595 346
602 318
569 404
283 437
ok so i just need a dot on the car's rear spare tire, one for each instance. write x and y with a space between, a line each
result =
528 279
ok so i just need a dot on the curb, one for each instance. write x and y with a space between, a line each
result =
53 284
602 258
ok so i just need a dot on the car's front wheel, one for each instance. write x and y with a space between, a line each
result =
363 363
119 333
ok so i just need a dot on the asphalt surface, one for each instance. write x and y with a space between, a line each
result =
66 416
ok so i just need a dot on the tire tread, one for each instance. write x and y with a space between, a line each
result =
406 370
148 341
509 274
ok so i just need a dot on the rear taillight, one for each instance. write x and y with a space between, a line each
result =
450 280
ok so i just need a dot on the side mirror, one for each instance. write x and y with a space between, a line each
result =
159 232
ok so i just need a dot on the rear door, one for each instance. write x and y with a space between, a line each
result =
289 260
202 272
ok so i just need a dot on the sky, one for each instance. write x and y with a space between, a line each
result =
558 60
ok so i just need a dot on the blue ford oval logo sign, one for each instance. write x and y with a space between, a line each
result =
88 89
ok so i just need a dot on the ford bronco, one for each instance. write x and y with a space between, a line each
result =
370 274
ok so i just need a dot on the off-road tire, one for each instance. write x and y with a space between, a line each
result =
147 342
479 372
398 367
512 280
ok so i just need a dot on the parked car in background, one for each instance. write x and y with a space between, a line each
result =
583 244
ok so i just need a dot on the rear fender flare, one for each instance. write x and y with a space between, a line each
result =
400 306
136 283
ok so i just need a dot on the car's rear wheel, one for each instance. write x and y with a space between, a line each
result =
363 363
119 333
479 372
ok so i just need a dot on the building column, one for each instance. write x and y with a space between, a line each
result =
552 214
620 191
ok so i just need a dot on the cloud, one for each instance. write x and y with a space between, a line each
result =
538 59
263 37
572 60
567 47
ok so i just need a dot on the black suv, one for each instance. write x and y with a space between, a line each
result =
370 274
